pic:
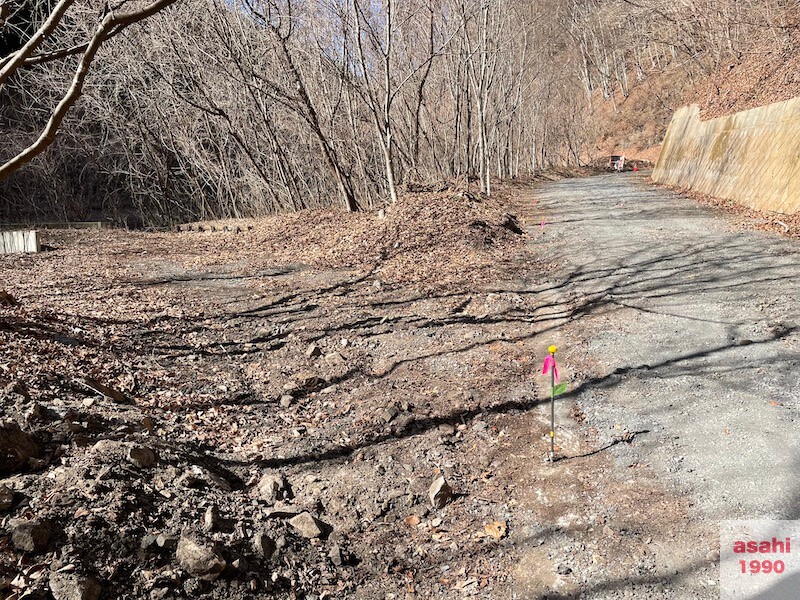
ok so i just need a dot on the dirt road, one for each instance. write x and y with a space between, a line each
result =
683 332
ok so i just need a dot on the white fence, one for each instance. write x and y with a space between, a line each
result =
19 241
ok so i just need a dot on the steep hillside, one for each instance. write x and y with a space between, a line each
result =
635 124
760 78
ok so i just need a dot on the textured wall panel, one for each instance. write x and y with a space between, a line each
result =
751 157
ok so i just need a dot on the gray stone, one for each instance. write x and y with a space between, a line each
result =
286 400
30 536
263 545
141 457
6 497
71 586
308 526
211 519
313 351
390 413
199 560
273 487
440 493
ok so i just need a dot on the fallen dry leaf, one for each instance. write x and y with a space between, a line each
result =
411 520
461 585
496 529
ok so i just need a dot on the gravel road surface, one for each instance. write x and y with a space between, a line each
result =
683 331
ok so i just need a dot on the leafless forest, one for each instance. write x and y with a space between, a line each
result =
171 111
307 361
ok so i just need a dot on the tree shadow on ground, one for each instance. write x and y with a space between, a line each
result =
649 273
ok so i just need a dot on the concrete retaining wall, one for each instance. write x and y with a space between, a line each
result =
19 241
751 157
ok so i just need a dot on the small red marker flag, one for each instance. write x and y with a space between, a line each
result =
550 363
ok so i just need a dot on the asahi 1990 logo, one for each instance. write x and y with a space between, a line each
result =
759 560
764 547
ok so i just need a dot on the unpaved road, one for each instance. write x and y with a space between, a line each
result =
355 391
686 330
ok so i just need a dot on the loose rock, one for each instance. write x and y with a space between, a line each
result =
274 487
141 457
70 586
30 536
198 560
6 497
308 526
313 351
440 493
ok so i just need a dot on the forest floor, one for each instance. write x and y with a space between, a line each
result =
331 368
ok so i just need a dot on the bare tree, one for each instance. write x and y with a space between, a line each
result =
249 107
111 23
